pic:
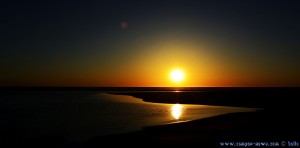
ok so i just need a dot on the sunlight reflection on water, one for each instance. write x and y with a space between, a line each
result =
176 111
82 116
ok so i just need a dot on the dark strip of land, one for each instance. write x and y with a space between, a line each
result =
251 127
46 88
278 122
261 126
268 98
257 97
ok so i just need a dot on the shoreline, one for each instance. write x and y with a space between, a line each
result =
258 126
278 121
239 127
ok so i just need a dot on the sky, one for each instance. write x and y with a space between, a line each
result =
137 43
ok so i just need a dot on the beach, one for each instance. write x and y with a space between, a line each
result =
252 128
246 129
76 113
274 124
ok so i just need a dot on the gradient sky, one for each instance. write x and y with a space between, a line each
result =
137 43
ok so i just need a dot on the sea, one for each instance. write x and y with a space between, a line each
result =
81 115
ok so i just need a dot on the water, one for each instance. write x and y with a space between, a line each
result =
80 116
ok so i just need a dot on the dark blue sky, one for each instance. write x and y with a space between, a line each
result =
69 41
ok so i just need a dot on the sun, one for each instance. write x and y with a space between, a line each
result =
177 75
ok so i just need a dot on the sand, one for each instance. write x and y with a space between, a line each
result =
251 127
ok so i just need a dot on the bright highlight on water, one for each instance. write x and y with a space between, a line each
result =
176 111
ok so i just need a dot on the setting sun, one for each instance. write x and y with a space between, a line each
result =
177 75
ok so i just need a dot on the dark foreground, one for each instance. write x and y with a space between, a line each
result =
276 125
254 128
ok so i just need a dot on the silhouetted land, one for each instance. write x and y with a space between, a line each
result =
212 132
277 122
268 98
257 97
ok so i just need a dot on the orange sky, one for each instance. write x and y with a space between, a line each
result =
108 43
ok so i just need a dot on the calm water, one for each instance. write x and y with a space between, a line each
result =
80 116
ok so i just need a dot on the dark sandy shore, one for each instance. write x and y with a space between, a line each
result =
251 127
277 125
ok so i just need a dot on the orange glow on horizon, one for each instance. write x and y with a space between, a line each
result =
150 66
